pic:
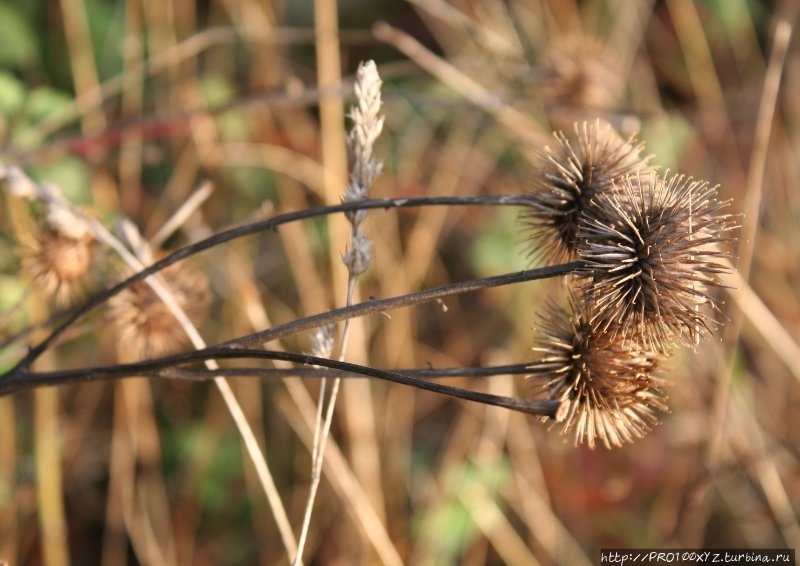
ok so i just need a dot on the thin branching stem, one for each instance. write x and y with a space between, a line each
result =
204 374
542 408
173 367
381 305
249 229
19 378
16 378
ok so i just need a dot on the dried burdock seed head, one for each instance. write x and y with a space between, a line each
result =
144 324
580 73
58 258
609 388
652 257
570 178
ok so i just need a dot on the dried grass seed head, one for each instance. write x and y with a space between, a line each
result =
609 388
144 324
322 341
569 179
367 126
367 123
652 257
358 254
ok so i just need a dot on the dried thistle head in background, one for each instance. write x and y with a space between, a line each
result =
57 246
144 324
564 190
652 257
58 257
610 388
580 73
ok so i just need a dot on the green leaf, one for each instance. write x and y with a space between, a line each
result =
448 529
12 94
70 174
12 289
668 139
216 89
498 247
18 47
44 101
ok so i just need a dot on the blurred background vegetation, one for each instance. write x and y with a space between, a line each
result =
129 106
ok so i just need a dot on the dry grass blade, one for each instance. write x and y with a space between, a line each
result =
164 294
329 75
495 526
775 335
248 438
516 122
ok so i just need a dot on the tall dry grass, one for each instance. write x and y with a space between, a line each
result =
130 108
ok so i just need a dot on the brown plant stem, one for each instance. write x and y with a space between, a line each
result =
20 378
381 305
542 408
172 367
204 374
261 226
49 486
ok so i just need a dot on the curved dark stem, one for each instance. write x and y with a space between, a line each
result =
173 367
17 378
541 408
309 372
253 228
381 305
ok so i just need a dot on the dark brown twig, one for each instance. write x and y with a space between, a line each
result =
17 382
254 228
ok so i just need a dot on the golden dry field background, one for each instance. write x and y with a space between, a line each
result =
134 129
